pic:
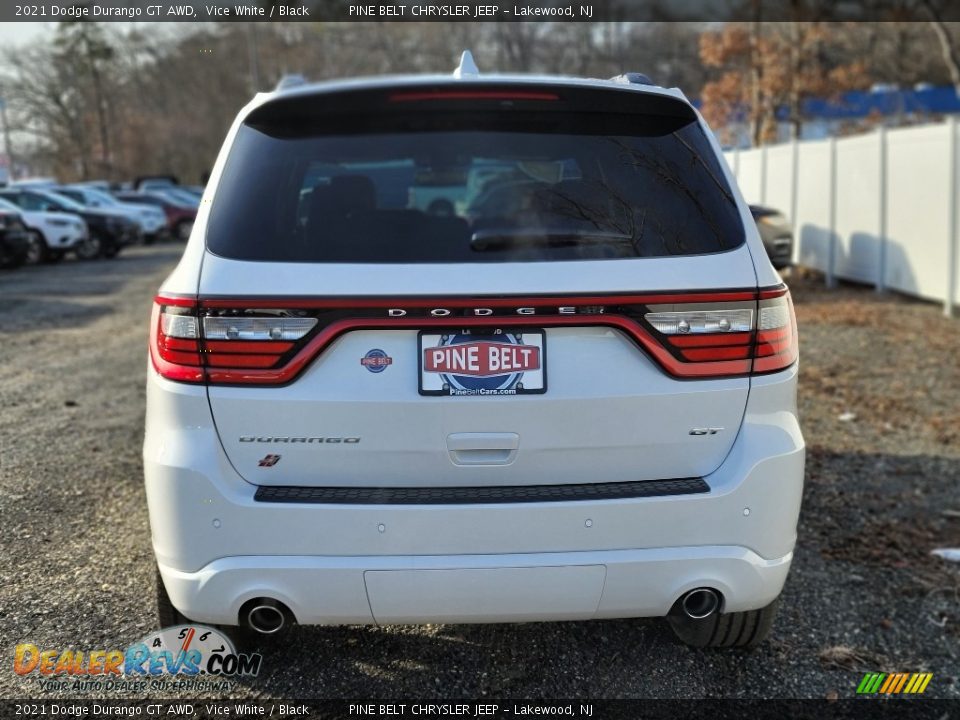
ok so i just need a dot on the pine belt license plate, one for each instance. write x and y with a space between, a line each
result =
464 363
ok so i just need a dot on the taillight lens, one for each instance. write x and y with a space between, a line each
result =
250 339
777 345
191 346
700 322
175 339
718 339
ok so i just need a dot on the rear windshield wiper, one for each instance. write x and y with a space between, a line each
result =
500 238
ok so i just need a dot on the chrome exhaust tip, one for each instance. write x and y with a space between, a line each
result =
700 603
266 616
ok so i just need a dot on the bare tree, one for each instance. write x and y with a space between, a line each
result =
948 46
119 100
767 66
85 44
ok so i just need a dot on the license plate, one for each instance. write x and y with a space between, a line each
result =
462 363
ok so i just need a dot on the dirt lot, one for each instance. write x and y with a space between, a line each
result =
880 402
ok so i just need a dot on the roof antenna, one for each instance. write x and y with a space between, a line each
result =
467 66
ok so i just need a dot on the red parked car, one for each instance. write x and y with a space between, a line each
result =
179 217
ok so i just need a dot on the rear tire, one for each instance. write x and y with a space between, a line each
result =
37 250
182 230
90 248
746 629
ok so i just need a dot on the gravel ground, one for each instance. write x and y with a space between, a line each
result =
880 403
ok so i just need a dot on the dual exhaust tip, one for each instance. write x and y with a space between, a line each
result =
700 603
265 615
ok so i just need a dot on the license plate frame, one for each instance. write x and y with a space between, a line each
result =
528 380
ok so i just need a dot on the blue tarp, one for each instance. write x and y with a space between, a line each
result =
927 101
941 100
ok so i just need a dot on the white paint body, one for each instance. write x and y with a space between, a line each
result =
610 414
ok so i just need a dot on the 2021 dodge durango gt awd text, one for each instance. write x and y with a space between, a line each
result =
565 392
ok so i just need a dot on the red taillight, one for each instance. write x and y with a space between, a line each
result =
175 339
191 344
728 338
777 344
271 341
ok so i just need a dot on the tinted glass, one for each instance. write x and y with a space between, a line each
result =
31 202
58 201
515 187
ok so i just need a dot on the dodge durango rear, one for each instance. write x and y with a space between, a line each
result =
473 349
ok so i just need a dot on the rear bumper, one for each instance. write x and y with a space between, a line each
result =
64 240
217 546
476 588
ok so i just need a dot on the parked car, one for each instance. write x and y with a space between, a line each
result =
50 235
102 185
34 182
776 233
177 195
180 216
144 183
108 232
151 221
13 239
582 407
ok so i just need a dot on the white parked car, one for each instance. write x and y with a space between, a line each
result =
50 234
35 183
575 403
151 220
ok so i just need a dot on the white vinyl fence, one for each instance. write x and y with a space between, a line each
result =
879 208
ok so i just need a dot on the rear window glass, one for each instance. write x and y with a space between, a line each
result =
509 186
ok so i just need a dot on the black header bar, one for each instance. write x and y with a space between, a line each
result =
471 10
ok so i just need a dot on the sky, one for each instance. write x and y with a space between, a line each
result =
15 33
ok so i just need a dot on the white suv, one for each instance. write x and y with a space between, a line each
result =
51 234
567 393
